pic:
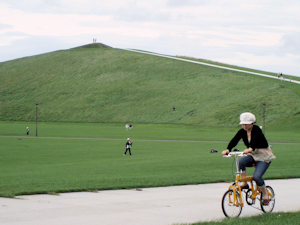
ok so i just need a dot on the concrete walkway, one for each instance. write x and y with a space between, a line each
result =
159 206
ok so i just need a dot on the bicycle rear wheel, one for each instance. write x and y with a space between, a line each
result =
268 208
229 207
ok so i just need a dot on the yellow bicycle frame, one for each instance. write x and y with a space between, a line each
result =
235 186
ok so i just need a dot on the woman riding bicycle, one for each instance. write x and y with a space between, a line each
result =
258 152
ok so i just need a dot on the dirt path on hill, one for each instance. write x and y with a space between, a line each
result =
212 65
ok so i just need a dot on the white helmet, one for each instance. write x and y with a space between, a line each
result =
128 139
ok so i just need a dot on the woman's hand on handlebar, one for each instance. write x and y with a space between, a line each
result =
248 150
225 152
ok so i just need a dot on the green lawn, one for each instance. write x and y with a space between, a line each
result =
290 218
31 165
284 131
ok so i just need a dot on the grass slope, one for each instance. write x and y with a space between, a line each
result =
103 84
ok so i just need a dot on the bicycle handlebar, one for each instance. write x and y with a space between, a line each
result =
230 154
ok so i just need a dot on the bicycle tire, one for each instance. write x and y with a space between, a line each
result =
268 208
230 209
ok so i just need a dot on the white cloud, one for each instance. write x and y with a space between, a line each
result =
8 39
68 25
227 37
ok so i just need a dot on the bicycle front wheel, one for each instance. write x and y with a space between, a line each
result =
268 208
229 206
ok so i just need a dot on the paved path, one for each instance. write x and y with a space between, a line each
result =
157 206
211 65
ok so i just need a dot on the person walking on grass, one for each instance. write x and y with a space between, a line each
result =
128 146
259 154
27 128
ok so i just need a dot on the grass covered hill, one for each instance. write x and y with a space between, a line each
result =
97 83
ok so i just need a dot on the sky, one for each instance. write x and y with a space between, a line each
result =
258 34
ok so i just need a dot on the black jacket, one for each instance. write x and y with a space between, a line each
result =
258 139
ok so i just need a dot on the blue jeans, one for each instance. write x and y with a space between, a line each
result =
260 169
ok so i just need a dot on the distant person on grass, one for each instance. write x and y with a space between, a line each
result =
27 128
128 146
258 152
